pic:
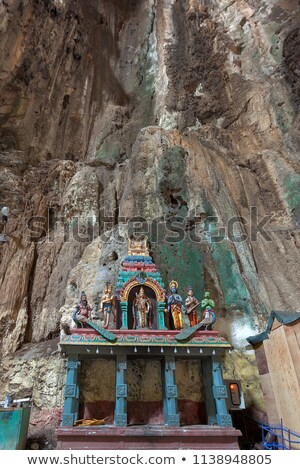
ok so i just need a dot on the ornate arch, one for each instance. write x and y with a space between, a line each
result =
149 282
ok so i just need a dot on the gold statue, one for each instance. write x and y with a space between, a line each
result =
138 247
141 311
175 305
107 307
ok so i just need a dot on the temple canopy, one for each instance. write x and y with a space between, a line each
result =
285 318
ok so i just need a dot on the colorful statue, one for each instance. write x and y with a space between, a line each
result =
107 307
82 311
175 305
210 317
141 311
207 301
191 305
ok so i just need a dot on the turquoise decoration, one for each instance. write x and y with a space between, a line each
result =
71 405
124 308
141 278
208 386
121 391
187 333
219 393
170 400
108 335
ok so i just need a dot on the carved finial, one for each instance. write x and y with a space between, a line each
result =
138 246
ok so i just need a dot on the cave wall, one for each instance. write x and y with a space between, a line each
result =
178 112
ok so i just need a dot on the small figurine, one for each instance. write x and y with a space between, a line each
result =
175 305
209 318
107 306
82 311
207 301
191 305
141 310
207 322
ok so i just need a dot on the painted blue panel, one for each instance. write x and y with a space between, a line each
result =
13 428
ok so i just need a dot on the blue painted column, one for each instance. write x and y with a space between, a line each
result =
71 405
170 396
206 366
161 316
220 393
124 307
121 391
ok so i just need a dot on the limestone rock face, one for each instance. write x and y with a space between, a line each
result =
37 372
242 366
182 113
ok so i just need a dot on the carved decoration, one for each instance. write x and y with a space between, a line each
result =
68 420
220 391
72 363
171 391
122 365
70 391
173 420
224 420
121 391
159 291
138 247
121 419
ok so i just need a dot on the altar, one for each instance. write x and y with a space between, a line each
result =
147 333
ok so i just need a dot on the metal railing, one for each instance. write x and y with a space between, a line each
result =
279 437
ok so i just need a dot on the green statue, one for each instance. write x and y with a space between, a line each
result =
207 301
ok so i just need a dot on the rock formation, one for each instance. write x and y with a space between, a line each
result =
183 113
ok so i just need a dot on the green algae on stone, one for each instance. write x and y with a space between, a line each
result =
283 118
292 191
183 262
241 365
256 55
290 184
231 281
109 151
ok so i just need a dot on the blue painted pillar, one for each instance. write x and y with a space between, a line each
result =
71 405
170 397
211 411
121 391
161 316
220 393
124 306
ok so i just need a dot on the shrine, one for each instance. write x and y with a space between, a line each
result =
147 325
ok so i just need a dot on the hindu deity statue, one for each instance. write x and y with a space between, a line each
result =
191 304
107 307
175 305
141 310
82 311
207 302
